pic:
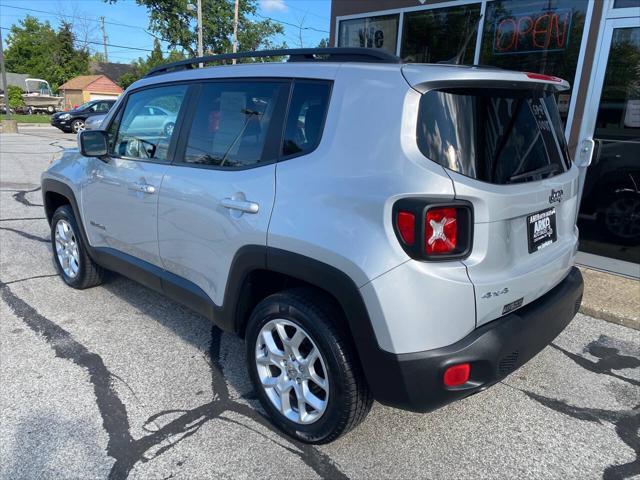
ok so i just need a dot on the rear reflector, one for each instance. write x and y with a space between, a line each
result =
541 76
407 227
441 232
457 375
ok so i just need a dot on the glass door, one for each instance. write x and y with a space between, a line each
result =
609 217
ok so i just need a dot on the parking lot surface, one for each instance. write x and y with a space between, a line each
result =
118 381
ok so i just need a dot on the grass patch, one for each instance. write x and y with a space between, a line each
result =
28 118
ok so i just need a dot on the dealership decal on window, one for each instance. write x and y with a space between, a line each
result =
532 32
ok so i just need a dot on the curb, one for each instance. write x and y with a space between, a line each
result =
612 298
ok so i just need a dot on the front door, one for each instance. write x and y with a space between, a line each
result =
609 217
120 198
218 195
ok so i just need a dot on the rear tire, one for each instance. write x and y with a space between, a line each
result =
70 255
345 394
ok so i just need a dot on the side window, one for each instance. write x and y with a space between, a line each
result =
136 133
102 107
305 120
232 122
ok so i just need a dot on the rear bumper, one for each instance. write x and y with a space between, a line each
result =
414 381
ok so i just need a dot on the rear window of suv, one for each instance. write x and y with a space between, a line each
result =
493 135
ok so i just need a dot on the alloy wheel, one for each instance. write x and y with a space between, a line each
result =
67 249
292 371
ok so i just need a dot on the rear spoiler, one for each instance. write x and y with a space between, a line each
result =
427 77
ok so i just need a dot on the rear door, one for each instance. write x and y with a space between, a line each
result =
218 195
505 152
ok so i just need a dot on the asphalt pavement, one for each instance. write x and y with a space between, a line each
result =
120 382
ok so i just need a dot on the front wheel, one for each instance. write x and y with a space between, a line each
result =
77 126
304 368
70 255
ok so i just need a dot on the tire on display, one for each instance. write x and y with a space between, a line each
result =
621 217
70 254
299 355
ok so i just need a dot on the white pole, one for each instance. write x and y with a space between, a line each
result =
200 48
235 30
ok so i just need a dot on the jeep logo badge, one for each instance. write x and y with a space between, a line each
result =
556 196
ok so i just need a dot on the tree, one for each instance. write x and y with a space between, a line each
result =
324 43
142 66
174 23
16 100
35 48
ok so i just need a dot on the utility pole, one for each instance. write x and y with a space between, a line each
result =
4 80
104 40
235 30
200 48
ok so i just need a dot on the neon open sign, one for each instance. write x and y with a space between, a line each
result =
532 32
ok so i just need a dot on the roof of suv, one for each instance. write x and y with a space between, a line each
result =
324 63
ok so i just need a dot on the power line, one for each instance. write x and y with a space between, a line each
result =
109 44
292 24
92 19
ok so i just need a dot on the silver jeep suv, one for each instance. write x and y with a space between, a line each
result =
373 229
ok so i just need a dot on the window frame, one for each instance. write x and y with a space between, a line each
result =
171 150
330 84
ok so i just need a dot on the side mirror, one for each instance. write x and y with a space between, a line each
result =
93 143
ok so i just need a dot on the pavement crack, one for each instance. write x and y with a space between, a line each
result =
30 278
121 446
111 408
20 219
21 197
29 236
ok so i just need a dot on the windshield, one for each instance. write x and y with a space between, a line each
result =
494 135
85 105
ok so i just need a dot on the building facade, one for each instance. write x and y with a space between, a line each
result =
593 44
84 88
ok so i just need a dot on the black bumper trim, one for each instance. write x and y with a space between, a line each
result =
415 381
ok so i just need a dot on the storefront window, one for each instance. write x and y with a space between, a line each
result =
441 34
540 36
371 32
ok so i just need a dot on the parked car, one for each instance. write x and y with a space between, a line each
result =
373 229
74 120
94 122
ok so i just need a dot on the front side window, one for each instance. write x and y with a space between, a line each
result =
231 124
306 116
441 34
138 133
493 135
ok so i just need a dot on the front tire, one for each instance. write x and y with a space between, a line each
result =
304 367
70 254
77 126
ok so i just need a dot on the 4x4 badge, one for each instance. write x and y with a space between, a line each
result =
556 196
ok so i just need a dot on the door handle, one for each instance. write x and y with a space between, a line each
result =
143 187
240 205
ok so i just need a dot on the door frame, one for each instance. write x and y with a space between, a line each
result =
611 20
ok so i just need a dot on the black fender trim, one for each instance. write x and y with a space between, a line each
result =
56 186
379 373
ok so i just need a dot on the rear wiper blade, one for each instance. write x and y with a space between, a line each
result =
538 171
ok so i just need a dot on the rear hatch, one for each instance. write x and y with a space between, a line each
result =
499 137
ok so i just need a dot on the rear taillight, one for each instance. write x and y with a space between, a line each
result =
428 230
441 231
406 222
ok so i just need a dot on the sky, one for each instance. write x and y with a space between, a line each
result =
125 21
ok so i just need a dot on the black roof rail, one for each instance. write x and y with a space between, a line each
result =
363 55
